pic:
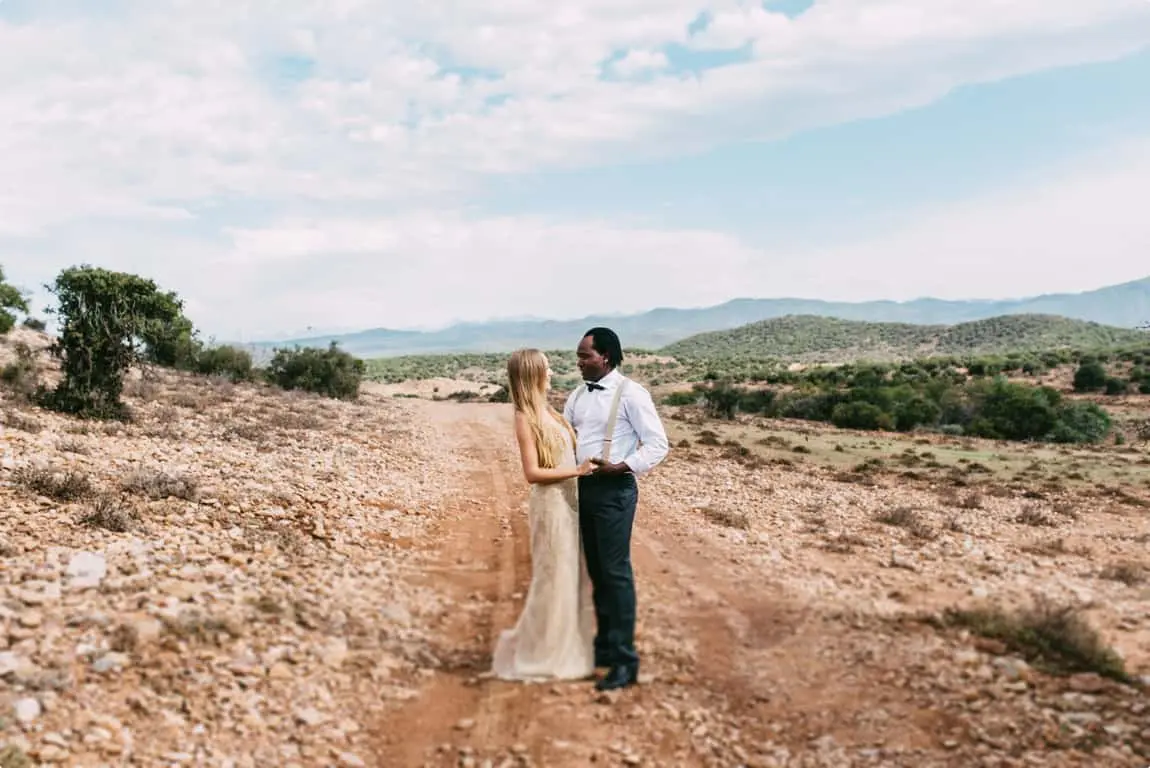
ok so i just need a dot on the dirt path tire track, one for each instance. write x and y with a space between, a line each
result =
483 552
709 644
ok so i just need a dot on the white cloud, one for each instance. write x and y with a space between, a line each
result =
638 61
1076 227
158 132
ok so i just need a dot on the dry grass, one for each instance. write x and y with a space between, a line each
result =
1053 548
111 514
908 518
727 518
844 543
1055 638
13 419
1033 516
61 486
1128 573
159 485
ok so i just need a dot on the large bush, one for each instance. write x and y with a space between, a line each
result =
1080 422
330 372
227 361
1090 376
721 399
104 317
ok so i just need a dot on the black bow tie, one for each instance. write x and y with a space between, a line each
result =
592 386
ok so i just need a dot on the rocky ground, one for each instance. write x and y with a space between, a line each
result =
246 577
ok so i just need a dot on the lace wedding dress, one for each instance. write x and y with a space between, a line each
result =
554 637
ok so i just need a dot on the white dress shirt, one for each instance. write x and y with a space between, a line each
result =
639 440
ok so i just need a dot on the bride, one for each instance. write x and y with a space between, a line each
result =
554 637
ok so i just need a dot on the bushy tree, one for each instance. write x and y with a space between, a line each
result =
721 399
11 301
331 372
104 319
1090 376
171 343
228 361
1080 422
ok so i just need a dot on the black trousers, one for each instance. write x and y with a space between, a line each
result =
606 515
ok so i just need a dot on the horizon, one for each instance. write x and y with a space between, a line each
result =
405 167
593 315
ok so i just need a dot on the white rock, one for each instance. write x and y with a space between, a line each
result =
86 570
27 710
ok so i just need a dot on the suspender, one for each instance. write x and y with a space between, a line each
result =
611 419
609 435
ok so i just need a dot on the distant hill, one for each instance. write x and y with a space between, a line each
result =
806 338
1122 306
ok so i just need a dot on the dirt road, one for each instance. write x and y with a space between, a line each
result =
736 672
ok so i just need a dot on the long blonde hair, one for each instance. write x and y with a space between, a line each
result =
527 379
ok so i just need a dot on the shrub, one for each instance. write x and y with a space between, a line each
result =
227 361
1115 386
104 316
860 415
1007 411
721 399
330 372
1080 423
170 342
757 401
1089 377
681 398
34 324
21 376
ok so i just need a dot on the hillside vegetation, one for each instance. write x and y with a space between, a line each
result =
811 339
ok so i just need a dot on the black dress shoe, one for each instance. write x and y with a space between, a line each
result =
619 677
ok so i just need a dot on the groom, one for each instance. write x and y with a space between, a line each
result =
618 428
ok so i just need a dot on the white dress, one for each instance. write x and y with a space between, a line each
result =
554 636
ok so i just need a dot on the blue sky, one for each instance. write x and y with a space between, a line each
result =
857 174
410 167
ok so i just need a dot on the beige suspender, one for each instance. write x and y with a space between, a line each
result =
610 432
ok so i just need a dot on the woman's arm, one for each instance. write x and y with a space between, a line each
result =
530 458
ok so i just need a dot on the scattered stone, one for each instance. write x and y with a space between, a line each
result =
86 570
26 710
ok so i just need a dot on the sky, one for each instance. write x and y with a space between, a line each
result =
308 165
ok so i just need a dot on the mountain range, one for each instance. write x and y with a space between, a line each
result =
1123 306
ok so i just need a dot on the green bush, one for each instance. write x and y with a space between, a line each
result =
1116 386
104 317
330 372
1006 411
227 361
1079 422
681 398
34 324
761 401
721 399
1090 376
861 415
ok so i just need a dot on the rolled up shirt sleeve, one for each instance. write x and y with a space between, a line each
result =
653 445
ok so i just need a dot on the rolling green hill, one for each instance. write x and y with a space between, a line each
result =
1124 306
811 339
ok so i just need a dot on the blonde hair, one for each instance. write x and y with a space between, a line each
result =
527 378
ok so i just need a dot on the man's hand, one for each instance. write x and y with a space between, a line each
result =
603 468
